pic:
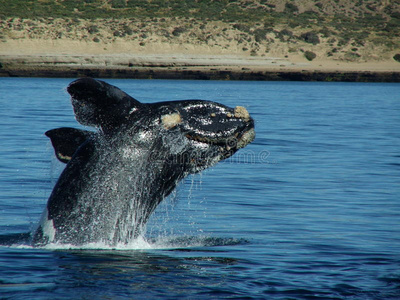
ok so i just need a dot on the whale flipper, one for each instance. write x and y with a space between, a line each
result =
67 140
99 104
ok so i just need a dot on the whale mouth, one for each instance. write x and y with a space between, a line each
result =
232 130
237 141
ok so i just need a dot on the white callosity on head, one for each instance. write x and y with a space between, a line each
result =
171 120
242 113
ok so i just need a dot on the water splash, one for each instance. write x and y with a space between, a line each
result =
188 242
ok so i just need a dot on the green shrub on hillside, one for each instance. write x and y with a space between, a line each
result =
310 37
118 3
291 8
253 18
310 55
178 31
260 34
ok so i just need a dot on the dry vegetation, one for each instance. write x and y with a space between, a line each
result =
356 31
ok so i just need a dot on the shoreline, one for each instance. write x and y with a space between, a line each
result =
181 48
202 74
193 67
43 58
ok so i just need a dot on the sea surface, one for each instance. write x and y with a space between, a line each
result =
309 210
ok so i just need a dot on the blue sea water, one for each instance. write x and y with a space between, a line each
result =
309 210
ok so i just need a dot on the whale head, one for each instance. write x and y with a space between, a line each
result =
196 133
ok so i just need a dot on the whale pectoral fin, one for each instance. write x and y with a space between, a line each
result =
67 140
99 104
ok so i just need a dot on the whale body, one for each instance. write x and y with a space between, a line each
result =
116 175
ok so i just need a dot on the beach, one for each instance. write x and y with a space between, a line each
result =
43 49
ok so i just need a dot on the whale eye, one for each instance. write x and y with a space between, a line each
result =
169 121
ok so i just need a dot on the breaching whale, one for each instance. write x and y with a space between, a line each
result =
116 175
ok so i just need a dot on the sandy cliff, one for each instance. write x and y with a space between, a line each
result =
183 44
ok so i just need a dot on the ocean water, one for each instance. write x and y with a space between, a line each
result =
309 210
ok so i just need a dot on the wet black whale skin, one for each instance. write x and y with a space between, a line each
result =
117 174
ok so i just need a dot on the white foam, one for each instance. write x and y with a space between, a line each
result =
138 244
47 226
142 244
